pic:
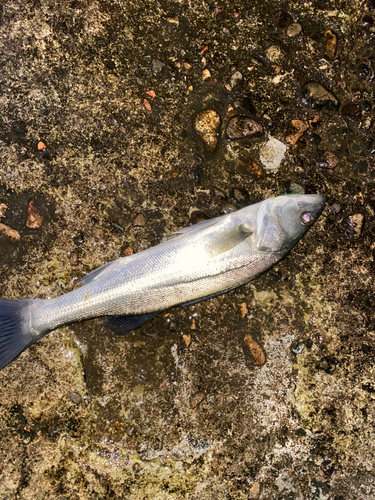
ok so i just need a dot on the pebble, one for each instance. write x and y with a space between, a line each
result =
335 208
236 79
127 251
352 226
34 219
197 399
206 75
3 208
206 125
139 221
274 53
243 310
272 153
239 127
187 339
255 350
329 161
295 188
254 491
331 44
174 20
73 258
8 232
296 130
317 96
156 66
75 398
294 30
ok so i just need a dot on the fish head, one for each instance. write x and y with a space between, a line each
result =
283 220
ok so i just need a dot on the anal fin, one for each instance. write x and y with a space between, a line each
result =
125 324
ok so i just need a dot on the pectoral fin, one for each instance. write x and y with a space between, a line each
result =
228 239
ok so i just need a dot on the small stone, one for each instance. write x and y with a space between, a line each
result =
255 350
75 398
239 127
335 208
294 30
193 325
295 188
41 146
73 257
243 310
352 226
274 53
206 125
206 75
296 130
272 153
127 251
34 219
173 20
187 339
139 221
329 161
147 104
156 66
197 399
236 79
317 96
8 232
331 44
3 208
254 491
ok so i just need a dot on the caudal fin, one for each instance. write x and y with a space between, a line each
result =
15 334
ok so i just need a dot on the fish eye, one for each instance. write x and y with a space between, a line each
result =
307 219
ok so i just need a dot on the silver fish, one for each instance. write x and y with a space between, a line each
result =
196 263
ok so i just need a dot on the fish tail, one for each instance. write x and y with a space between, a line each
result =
16 333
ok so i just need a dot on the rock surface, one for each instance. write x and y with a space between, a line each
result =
87 415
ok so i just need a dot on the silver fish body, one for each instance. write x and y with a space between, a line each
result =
197 262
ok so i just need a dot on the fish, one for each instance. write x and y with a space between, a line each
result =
195 263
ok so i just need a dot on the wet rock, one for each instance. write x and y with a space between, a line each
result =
364 72
228 208
317 96
255 350
127 251
329 161
282 19
331 44
156 66
8 232
294 30
352 226
236 79
34 219
249 167
240 127
296 130
197 399
207 125
174 20
139 221
272 153
78 239
197 216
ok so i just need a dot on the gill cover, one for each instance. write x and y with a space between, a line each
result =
281 222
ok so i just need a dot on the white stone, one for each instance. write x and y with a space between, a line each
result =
272 153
